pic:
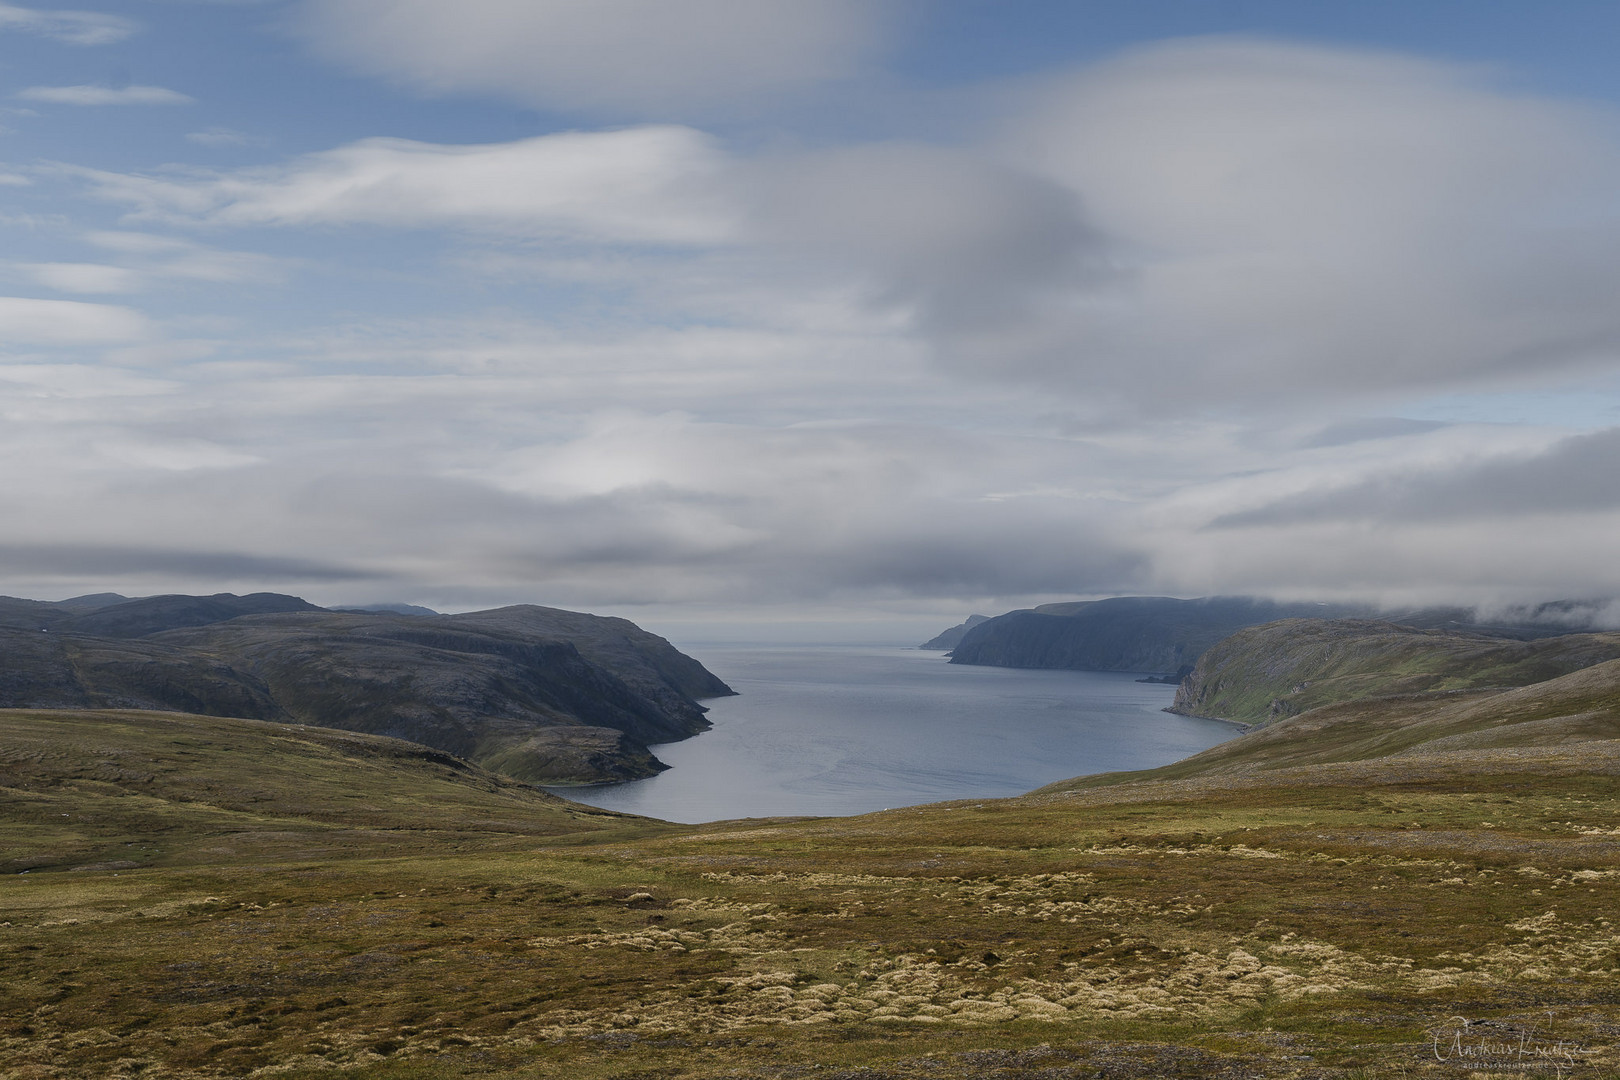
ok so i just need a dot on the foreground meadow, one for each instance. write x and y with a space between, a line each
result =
1445 910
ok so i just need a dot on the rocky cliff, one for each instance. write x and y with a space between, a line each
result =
946 640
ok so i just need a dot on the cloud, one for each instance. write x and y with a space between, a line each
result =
496 462
667 506
636 58
968 247
104 95
656 185
1203 224
98 561
1291 220
170 258
220 136
1346 432
1576 475
68 27
145 260
68 322
77 382
84 277
1129 341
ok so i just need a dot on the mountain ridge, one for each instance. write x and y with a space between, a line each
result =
549 696
1163 635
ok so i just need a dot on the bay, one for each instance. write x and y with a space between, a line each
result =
832 730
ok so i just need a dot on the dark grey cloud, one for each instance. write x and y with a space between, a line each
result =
1348 432
115 561
1577 475
968 246
1002 557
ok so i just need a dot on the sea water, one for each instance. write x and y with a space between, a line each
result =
850 729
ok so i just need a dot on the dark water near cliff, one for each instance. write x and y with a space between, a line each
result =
847 730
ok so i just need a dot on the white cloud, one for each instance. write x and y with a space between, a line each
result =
75 383
104 95
174 258
67 322
628 57
145 260
170 454
659 185
68 27
84 277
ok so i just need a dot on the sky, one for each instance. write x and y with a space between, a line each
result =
856 315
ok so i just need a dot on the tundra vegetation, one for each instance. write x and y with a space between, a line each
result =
1417 885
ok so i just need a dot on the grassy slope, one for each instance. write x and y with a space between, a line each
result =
124 790
1580 708
1285 668
1313 911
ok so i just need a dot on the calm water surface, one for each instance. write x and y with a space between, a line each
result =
849 729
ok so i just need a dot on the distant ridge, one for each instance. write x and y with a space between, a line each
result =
1165 635
91 601
1144 634
155 614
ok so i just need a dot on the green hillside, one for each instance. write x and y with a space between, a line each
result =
1576 709
1344 894
1283 668
126 790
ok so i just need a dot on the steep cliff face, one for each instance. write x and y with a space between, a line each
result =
1154 634
947 640
539 693
1270 672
